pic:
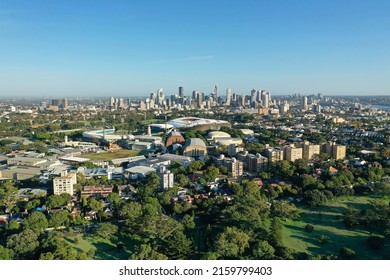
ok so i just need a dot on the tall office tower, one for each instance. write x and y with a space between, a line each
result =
258 96
265 99
121 103
152 96
199 98
228 96
284 107
65 103
216 92
269 96
243 100
253 96
234 99
181 92
194 94
55 102
111 102
160 97
304 103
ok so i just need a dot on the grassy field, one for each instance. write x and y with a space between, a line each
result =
112 155
105 249
328 220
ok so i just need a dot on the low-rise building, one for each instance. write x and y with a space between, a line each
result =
175 137
99 190
194 147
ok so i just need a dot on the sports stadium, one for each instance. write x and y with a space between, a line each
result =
200 124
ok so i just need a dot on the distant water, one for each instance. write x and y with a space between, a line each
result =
383 107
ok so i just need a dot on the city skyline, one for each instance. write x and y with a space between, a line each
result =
131 49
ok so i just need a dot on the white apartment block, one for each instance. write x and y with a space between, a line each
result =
65 183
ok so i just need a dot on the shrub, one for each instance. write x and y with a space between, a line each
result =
309 228
347 253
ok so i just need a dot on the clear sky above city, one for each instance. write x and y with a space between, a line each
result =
132 48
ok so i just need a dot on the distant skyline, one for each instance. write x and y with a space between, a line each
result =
131 48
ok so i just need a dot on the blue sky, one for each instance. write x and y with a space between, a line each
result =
128 48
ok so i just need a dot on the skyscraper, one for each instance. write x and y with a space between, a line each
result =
112 102
265 99
65 103
181 92
304 103
228 96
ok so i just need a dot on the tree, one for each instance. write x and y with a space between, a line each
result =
264 251
107 231
276 232
95 205
195 166
31 204
314 197
131 212
114 199
24 244
5 254
188 221
232 243
282 168
177 168
211 173
176 246
308 180
351 217
145 252
182 180
59 218
55 248
283 209
322 239
347 253
301 166
55 201
309 228
8 195
36 221
152 184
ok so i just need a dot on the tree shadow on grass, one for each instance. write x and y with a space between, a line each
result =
335 241
109 251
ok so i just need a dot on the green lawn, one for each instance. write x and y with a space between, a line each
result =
104 248
113 155
327 220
